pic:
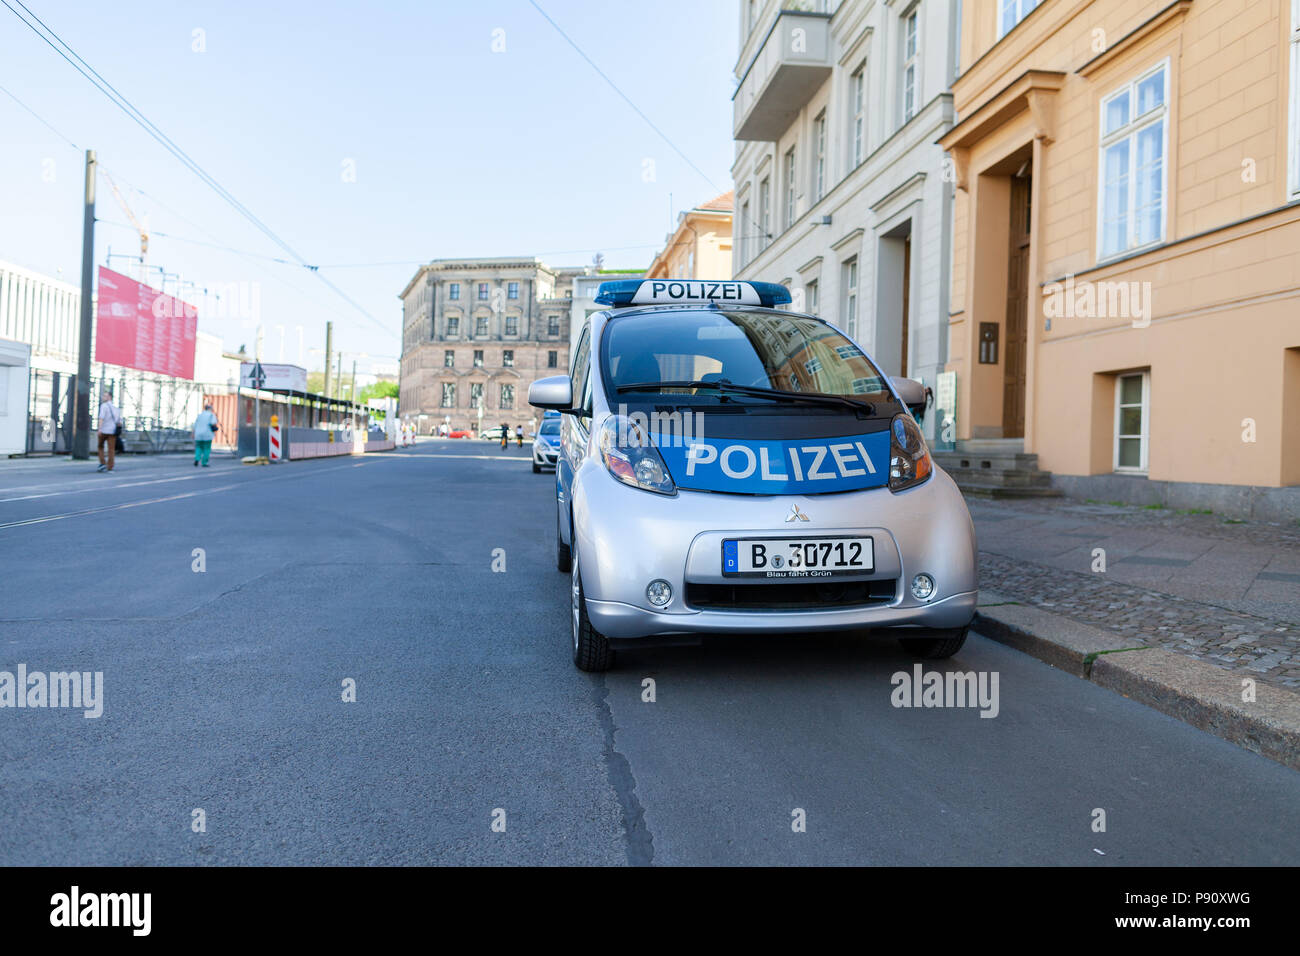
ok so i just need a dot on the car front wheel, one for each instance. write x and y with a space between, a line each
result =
591 650
935 648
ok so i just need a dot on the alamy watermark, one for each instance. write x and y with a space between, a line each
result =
674 429
1098 300
81 690
923 688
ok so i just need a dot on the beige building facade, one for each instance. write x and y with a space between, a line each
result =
700 246
476 333
1126 248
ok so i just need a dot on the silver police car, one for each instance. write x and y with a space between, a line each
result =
727 467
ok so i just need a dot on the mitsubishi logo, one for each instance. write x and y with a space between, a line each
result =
796 514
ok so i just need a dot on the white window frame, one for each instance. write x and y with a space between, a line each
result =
448 397
819 141
764 212
790 157
1023 9
477 389
1144 436
857 115
909 97
1130 131
849 274
1293 138
506 387
453 292
811 295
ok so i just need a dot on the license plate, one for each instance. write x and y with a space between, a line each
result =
797 557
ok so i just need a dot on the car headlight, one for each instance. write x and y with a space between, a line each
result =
909 459
631 457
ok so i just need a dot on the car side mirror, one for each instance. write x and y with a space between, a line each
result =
554 392
911 393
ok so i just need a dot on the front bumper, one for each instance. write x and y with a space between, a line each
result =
625 621
546 456
625 538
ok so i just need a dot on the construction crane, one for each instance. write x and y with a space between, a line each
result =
144 233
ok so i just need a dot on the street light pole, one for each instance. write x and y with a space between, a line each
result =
81 416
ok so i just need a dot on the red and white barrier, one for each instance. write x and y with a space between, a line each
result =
274 443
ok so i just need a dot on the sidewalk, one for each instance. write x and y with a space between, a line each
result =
1193 614
1197 584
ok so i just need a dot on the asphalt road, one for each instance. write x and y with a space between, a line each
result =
223 692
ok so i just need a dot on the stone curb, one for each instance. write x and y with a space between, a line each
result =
1196 692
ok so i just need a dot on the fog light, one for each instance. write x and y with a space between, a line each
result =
659 592
923 587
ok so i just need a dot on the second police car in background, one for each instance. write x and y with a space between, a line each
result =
727 467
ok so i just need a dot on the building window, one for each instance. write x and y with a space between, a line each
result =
1132 413
819 169
850 273
857 100
764 212
512 290
483 290
478 358
744 233
449 359
1295 99
481 326
512 325
507 396
453 326
910 47
552 359
1131 203
1011 12
453 291
508 358
789 188
810 296
476 395
448 394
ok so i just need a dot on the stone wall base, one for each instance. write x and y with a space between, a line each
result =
1247 502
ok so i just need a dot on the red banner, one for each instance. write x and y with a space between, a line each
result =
142 328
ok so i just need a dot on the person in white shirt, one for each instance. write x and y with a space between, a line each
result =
205 429
110 419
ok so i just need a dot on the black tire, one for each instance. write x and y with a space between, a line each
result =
935 648
536 468
591 650
563 554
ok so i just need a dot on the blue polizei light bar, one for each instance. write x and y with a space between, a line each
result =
621 293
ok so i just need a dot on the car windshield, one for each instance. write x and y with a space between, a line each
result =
549 428
702 352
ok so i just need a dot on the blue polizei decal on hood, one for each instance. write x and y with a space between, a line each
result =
799 466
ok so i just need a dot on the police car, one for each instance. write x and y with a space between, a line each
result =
727 467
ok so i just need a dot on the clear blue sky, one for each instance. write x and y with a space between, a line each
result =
458 150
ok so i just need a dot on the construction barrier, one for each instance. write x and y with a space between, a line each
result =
273 439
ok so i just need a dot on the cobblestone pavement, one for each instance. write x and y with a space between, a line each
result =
1227 593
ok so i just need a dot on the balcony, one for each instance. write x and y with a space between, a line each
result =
793 61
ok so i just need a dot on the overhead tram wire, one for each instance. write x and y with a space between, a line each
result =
154 199
626 99
125 105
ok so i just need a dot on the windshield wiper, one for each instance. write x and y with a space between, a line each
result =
725 385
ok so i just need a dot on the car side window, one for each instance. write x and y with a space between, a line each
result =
581 376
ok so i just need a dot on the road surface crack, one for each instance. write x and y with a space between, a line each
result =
640 842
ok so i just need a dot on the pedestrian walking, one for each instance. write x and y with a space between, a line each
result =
110 426
519 435
205 430
505 436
